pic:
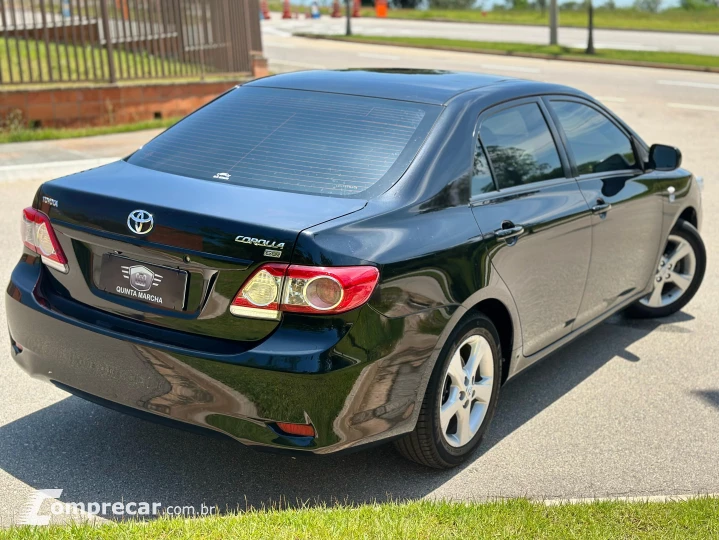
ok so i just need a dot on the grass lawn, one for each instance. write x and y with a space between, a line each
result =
32 61
670 20
44 134
673 20
698 61
519 518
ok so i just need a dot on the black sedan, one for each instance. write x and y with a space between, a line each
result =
323 260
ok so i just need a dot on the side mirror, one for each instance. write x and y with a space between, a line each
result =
664 158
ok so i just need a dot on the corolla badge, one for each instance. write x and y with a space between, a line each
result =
141 279
260 242
140 221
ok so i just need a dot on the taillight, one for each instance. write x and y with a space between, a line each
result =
39 236
274 288
259 296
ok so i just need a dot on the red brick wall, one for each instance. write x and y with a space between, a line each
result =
104 105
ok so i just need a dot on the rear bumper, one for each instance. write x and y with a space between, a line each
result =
371 396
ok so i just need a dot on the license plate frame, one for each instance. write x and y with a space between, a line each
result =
159 286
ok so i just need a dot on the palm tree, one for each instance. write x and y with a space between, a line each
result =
590 41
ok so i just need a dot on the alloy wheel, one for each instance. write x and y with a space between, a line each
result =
466 391
674 275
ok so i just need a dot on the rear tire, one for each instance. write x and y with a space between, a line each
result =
460 399
678 277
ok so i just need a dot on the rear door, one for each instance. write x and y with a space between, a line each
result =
626 213
528 205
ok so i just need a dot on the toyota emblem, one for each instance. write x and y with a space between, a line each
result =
140 221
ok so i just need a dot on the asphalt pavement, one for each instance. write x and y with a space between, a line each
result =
630 409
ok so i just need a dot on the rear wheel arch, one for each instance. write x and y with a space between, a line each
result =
496 303
501 317
689 214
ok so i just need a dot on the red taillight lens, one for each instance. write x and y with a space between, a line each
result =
260 295
310 289
304 289
39 236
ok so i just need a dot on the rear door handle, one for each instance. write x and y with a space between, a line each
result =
601 208
511 232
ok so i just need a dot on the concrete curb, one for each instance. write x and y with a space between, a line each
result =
541 56
632 499
50 170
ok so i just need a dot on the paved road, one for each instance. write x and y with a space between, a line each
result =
571 37
632 408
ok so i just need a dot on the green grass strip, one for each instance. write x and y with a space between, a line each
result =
704 20
44 134
32 61
670 20
519 518
669 59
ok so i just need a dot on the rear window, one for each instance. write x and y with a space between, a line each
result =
289 140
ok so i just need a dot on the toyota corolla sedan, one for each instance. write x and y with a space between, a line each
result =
326 260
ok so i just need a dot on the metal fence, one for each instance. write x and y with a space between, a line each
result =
43 41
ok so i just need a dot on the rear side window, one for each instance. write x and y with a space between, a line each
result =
288 140
482 181
520 146
596 143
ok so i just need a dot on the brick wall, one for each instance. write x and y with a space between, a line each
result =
110 104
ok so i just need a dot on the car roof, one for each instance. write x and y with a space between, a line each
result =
422 86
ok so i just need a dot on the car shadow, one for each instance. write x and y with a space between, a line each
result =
95 454
708 396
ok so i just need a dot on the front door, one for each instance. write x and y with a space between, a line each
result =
535 217
627 215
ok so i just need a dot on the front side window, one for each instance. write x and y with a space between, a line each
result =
596 143
520 146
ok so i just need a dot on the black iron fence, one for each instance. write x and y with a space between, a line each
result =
43 41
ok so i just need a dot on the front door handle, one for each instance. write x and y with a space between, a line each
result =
509 233
601 207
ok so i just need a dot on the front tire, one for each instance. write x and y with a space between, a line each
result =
678 277
460 399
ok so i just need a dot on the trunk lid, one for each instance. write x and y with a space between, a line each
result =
207 237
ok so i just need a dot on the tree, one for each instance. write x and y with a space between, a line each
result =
590 40
517 167
348 28
406 4
451 4
652 6
696 4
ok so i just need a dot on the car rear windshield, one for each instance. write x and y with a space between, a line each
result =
290 140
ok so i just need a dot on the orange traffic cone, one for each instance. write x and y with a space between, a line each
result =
356 8
336 9
286 10
380 7
265 10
